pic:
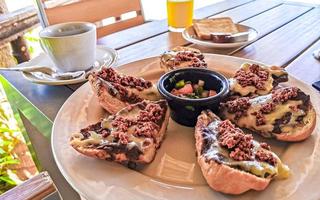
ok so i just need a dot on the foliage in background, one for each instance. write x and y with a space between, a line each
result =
6 159
7 144
8 140
32 38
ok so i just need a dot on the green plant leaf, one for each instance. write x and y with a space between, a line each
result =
8 180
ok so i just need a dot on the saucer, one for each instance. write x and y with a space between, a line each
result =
104 56
190 35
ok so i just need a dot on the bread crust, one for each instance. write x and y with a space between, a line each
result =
305 132
146 157
294 136
111 103
221 177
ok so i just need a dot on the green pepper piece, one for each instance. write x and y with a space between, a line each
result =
199 91
180 84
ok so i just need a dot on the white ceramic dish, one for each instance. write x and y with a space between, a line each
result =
174 174
104 55
190 35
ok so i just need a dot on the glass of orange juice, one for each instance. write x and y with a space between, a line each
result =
180 14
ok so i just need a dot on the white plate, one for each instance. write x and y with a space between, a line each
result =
190 35
174 174
104 55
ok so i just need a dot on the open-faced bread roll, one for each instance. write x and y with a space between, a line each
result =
116 91
253 79
181 57
286 114
231 161
129 137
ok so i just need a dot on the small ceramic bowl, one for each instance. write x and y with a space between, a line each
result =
184 110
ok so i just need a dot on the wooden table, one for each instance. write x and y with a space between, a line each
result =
288 34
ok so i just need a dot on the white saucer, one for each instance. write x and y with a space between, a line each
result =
104 55
190 35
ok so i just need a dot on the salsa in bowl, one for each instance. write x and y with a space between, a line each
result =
190 90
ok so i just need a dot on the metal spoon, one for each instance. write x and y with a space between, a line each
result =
48 71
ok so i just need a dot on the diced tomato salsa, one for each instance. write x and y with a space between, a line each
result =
191 90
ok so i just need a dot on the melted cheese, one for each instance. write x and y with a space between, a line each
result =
96 139
237 88
278 71
249 121
151 93
261 169
244 91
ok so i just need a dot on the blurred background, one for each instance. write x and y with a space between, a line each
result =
28 44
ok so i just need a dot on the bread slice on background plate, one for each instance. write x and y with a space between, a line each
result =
130 137
204 27
116 91
231 161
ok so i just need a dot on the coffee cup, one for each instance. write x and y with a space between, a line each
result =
71 46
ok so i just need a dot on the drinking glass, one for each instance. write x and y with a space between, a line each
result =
180 14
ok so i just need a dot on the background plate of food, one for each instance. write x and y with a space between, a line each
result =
219 33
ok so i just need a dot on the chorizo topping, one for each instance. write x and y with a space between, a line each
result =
121 129
265 146
234 139
145 124
146 129
265 156
284 94
241 146
268 107
122 124
122 137
110 75
238 106
124 94
196 59
260 118
256 76
152 112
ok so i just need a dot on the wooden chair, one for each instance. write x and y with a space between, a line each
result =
109 15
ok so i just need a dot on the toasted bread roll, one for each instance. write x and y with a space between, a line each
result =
286 114
181 57
116 91
231 161
204 27
129 137
253 79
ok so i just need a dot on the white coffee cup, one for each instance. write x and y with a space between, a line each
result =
71 46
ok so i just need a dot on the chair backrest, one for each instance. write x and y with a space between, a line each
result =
109 15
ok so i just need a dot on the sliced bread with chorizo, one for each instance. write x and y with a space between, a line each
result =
130 137
254 79
286 114
116 91
181 57
233 162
